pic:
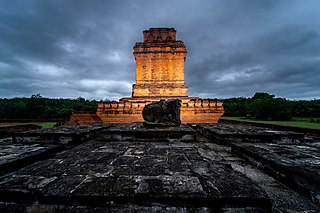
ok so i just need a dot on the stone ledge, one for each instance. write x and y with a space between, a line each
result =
295 165
61 134
9 130
137 132
225 133
14 156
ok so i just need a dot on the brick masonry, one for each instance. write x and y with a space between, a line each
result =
159 75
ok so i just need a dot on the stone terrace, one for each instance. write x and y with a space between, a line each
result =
117 169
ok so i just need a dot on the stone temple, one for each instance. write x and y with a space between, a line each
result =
159 75
132 167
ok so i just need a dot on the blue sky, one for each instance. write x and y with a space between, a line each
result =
75 48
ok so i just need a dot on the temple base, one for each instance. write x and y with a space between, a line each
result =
128 110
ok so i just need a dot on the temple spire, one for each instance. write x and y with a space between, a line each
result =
160 64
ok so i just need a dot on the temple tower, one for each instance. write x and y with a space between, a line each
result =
159 75
160 65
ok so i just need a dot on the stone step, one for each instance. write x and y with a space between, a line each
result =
137 132
297 166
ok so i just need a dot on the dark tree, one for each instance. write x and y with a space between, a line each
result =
266 107
37 107
237 107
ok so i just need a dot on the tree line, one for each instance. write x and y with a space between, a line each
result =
266 107
38 107
260 106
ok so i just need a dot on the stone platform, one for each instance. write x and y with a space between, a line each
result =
227 133
137 132
175 175
284 155
148 175
14 156
7 130
61 134
297 165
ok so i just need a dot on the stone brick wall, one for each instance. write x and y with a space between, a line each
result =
160 64
159 75
130 110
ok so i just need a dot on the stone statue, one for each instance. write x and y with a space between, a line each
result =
162 113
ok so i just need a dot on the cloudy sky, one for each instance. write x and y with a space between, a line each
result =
72 48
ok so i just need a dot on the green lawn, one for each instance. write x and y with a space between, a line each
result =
296 122
43 124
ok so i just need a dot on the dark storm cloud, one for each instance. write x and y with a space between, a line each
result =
84 48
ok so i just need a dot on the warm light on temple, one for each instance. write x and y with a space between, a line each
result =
159 75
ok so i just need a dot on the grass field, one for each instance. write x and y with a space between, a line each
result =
296 122
43 124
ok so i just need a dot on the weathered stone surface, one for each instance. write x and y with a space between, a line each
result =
282 154
14 156
156 208
283 198
226 133
137 132
147 176
296 165
61 134
163 113
97 173
7 130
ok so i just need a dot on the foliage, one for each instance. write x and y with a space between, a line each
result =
236 107
265 106
270 108
303 108
38 107
262 105
261 95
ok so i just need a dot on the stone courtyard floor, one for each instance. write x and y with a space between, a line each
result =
128 168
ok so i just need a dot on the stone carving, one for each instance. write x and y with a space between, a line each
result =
162 113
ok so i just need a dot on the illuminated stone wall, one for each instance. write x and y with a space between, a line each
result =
192 110
159 75
160 64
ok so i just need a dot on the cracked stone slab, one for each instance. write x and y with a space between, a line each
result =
226 133
61 134
295 165
282 197
16 155
116 175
